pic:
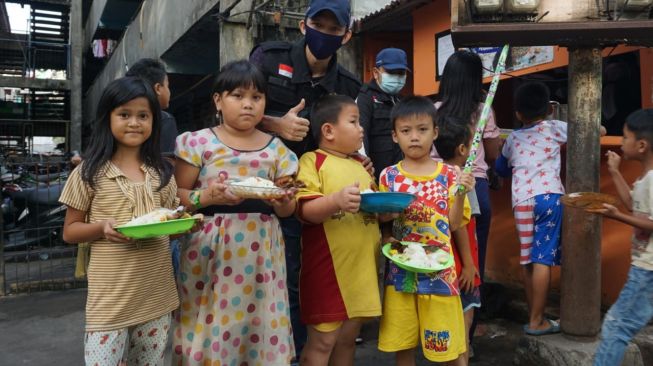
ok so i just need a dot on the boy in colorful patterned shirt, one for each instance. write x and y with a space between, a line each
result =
419 307
532 156
338 278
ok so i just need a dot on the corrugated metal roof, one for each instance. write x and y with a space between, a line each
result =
397 7
384 9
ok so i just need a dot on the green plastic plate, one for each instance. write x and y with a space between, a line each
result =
386 252
170 227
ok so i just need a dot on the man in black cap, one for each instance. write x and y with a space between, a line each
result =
375 102
298 74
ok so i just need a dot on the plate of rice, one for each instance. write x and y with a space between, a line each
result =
418 257
160 222
256 188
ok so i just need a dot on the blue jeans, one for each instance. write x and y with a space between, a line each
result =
631 312
292 231
175 253
482 231
483 221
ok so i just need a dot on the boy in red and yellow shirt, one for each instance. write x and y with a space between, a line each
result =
338 278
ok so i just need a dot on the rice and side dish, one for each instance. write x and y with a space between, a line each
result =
417 255
260 188
160 215
254 182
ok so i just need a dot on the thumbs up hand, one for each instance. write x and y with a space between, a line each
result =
291 126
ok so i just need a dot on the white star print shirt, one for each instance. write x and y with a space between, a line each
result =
533 153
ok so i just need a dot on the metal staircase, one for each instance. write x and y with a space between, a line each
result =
12 62
40 54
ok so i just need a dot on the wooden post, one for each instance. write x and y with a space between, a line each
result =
580 307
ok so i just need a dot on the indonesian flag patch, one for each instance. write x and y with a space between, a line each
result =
285 70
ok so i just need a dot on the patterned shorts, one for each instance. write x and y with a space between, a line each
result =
539 220
147 343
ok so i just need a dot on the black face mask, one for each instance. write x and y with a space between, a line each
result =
322 45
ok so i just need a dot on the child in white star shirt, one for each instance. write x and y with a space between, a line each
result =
532 156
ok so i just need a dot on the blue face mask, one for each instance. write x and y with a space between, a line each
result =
392 84
322 45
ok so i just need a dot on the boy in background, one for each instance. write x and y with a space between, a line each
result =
454 146
532 156
634 307
154 72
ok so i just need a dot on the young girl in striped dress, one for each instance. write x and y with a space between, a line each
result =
131 289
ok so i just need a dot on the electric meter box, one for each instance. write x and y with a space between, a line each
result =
488 6
566 23
521 6
634 5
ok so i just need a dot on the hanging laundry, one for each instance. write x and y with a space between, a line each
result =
103 48
98 49
111 46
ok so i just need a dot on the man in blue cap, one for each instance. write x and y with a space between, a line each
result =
297 75
375 102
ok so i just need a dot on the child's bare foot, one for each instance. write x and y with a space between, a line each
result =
481 330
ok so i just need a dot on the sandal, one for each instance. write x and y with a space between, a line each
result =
554 327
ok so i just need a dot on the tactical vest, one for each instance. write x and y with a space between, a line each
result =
382 107
282 94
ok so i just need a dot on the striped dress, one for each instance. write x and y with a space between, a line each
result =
128 284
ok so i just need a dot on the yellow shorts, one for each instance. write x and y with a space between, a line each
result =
437 321
333 326
327 327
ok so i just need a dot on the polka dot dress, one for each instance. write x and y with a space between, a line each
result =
234 301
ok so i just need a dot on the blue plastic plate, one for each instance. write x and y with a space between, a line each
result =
379 202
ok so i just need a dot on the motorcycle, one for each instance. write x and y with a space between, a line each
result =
32 215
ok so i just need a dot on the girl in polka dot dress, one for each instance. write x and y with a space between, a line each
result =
232 280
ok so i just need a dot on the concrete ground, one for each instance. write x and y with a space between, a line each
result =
46 328
43 328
